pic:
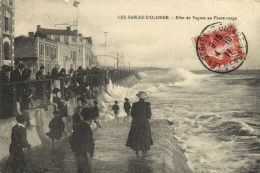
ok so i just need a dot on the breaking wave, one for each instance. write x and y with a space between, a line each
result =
216 134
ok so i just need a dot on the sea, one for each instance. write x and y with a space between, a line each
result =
215 117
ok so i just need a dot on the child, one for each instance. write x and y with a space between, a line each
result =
96 113
56 127
116 109
26 100
19 112
16 159
82 144
127 108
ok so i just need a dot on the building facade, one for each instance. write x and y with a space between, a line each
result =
69 41
7 32
34 52
51 47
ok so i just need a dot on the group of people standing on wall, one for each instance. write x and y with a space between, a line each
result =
81 140
23 94
18 78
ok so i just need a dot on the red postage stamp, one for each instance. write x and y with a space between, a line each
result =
220 48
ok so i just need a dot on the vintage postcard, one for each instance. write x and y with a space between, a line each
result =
130 86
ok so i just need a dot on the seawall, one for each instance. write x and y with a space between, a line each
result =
166 155
41 118
111 154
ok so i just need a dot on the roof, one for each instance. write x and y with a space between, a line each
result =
24 37
45 32
89 39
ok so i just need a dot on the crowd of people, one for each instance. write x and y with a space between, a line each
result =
79 83
87 111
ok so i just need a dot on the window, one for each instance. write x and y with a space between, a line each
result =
57 38
47 51
74 39
55 53
73 55
66 39
6 24
62 39
6 51
41 49
51 53
48 67
11 2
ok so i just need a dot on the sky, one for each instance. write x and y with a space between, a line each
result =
156 43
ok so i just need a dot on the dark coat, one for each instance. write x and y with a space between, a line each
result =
95 111
19 141
76 120
26 74
115 108
63 109
87 112
56 128
81 140
5 96
15 76
4 83
39 75
127 107
140 138
54 73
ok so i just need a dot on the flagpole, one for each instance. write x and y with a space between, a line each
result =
105 49
77 51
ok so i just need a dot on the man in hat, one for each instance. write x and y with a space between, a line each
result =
115 108
127 107
87 110
76 118
16 75
39 74
139 137
82 144
19 141
55 71
96 113
56 126
5 93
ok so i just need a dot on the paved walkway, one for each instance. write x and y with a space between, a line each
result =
111 155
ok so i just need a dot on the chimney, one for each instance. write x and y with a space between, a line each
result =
68 28
38 27
31 34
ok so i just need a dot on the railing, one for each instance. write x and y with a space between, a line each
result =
42 87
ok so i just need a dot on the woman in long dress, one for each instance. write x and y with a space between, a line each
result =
140 138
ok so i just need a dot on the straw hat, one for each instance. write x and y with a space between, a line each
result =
142 95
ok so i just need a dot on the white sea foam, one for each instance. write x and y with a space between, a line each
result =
143 74
197 115
186 78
